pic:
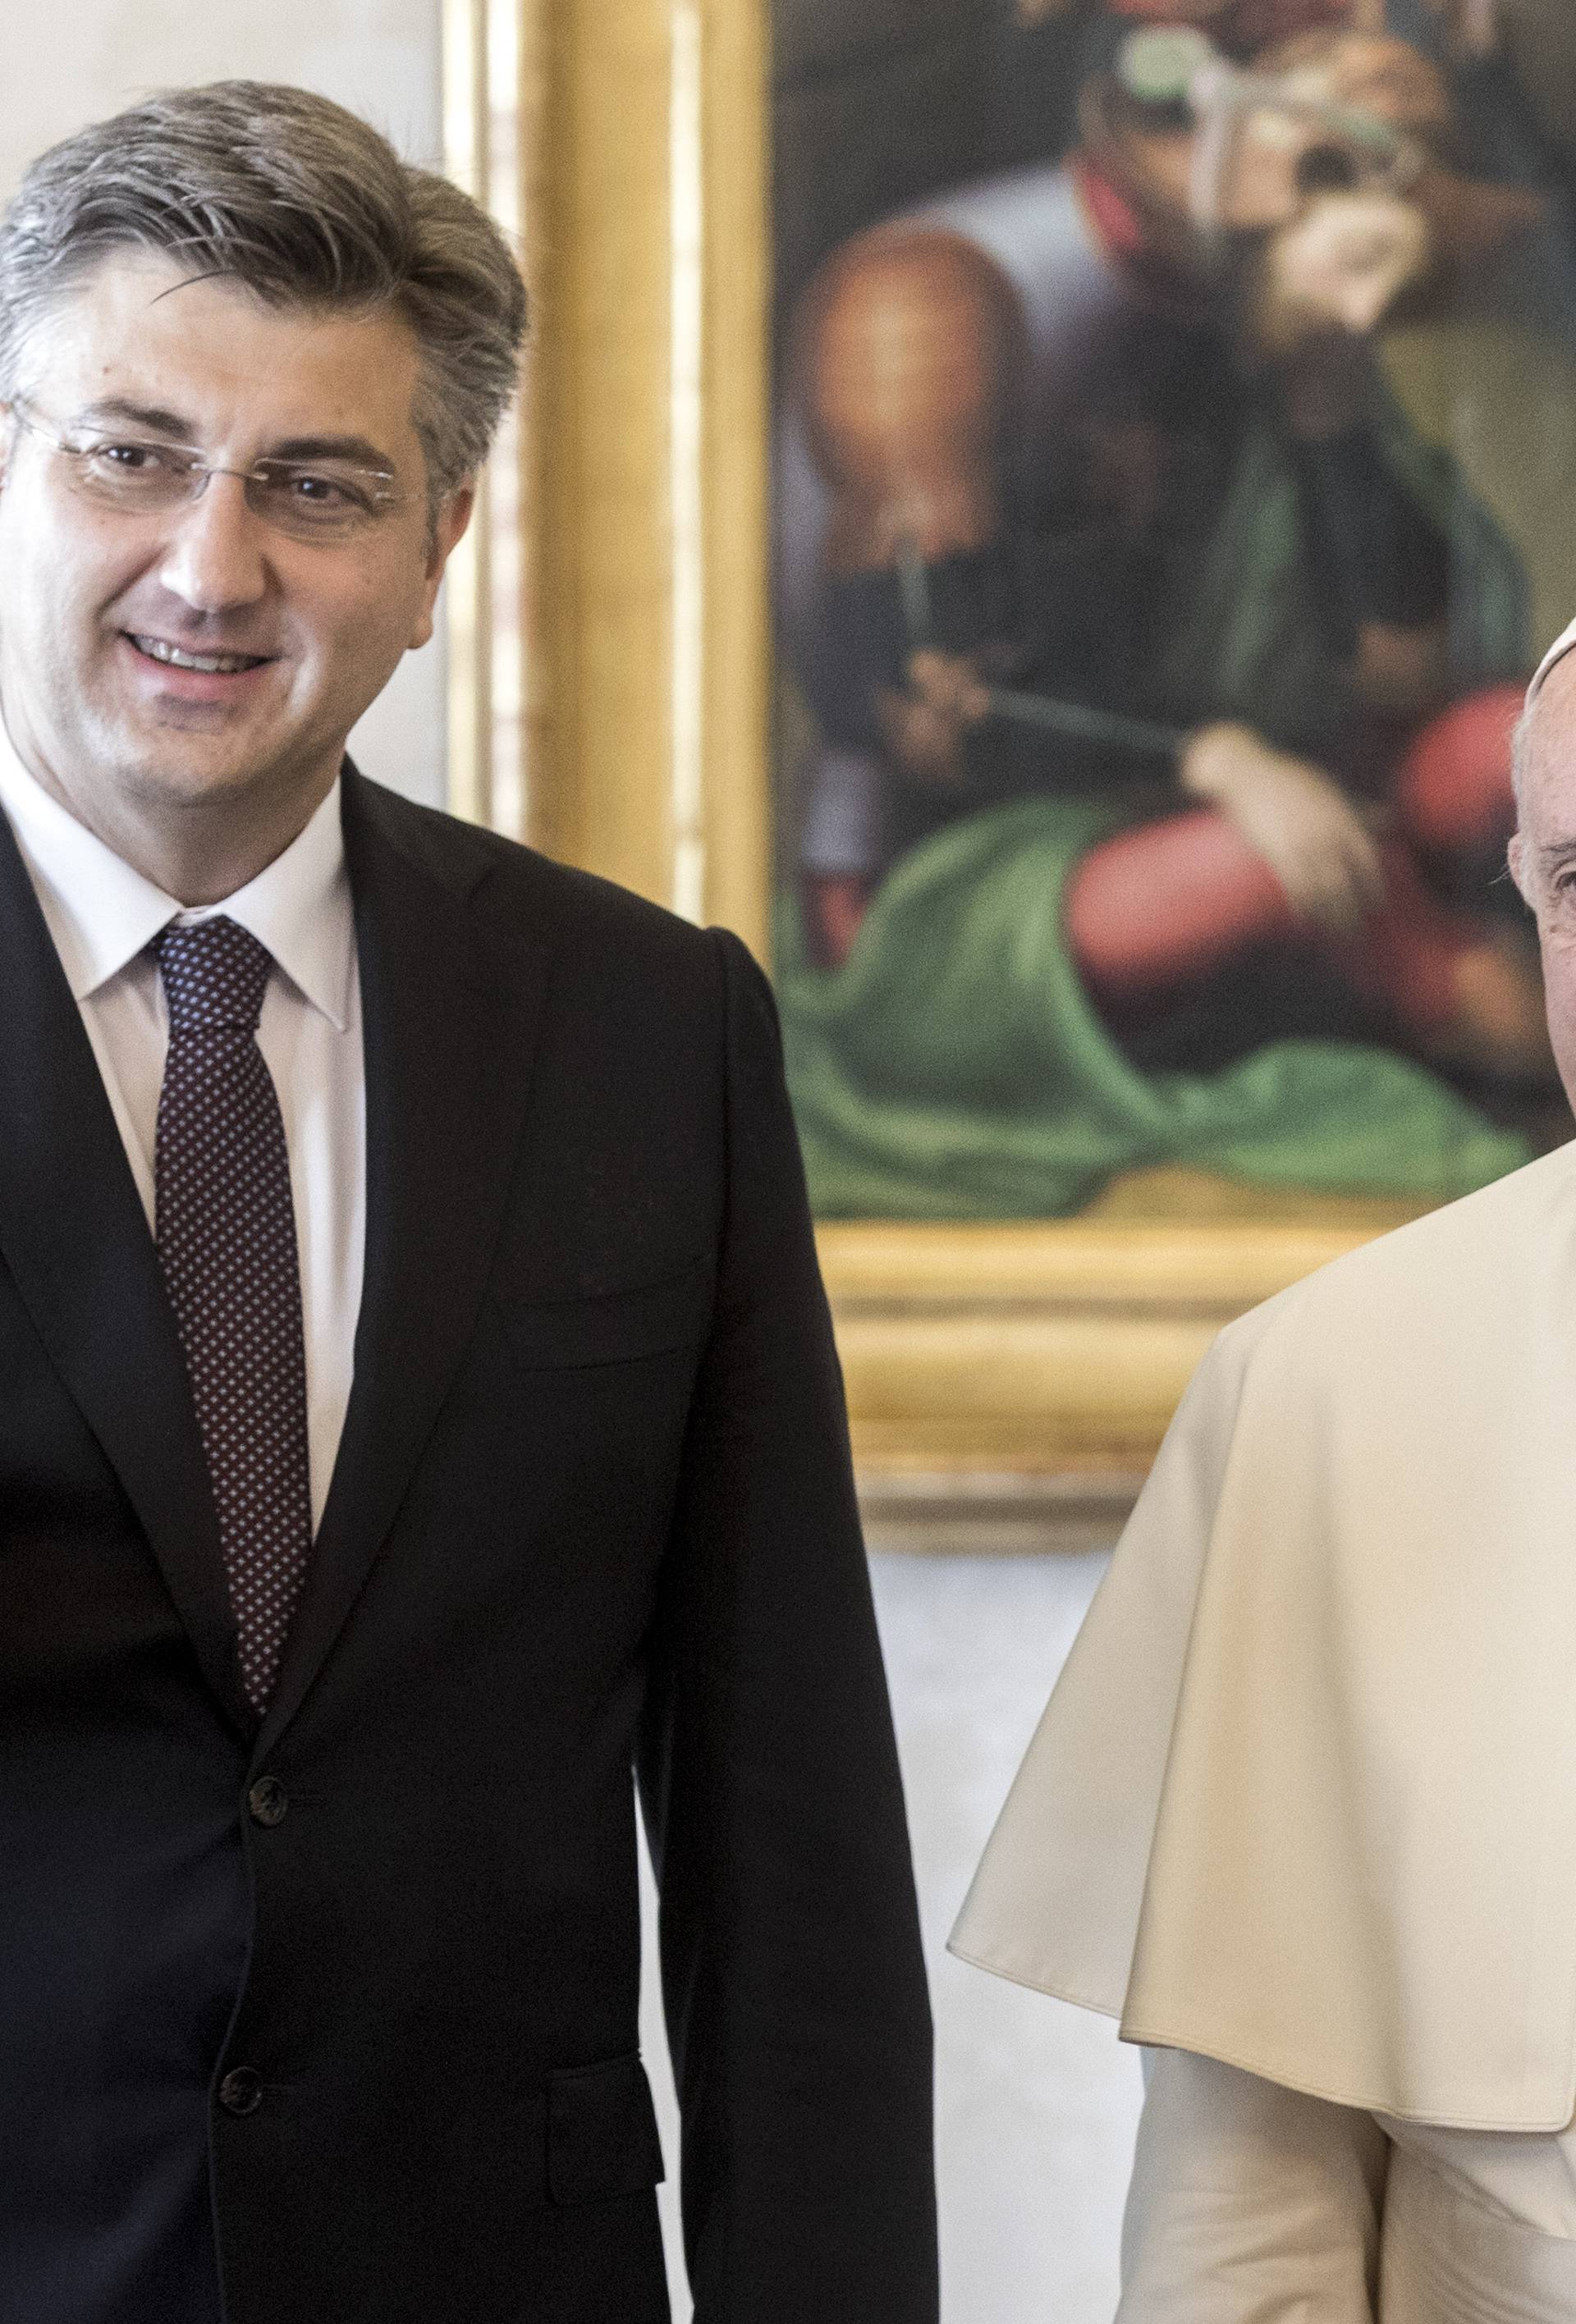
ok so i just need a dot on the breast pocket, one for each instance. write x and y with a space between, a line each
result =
616 1327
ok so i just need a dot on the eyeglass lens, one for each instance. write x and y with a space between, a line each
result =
312 501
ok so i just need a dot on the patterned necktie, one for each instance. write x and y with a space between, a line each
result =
226 1232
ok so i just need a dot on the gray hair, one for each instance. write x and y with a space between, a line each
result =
1520 740
303 204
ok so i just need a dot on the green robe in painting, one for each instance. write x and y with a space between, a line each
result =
954 1068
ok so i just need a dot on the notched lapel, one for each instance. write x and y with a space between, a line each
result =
76 1240
449 1041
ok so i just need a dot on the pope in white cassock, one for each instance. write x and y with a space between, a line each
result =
1302 1811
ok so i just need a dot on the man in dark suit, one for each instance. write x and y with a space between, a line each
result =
419 1405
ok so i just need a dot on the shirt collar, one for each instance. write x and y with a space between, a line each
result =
299 905
102 913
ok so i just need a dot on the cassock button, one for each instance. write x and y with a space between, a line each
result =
267 1801
241 2091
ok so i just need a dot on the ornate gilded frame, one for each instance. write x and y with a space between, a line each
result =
610 660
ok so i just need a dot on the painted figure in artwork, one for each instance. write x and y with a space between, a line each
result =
1162 673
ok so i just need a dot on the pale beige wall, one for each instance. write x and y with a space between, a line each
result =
84 58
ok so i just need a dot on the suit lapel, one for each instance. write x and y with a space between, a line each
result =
448 1039
74 1235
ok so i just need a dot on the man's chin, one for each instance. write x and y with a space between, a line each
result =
188 749
183 776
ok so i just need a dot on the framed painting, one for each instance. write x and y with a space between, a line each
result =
1036 512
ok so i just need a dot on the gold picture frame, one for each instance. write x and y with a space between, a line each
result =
610 659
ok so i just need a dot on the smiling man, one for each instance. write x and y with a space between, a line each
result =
419 1405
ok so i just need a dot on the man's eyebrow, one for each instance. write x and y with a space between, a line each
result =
154 417
359 450
122 410
1557 853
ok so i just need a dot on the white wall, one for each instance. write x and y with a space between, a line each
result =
379 57
1036 2102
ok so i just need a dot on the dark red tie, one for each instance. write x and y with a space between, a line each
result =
226 1231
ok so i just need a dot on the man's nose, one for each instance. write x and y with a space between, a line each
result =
216 552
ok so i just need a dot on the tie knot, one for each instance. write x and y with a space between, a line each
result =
215 974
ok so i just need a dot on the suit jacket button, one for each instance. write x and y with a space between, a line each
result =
267 1801
241 2091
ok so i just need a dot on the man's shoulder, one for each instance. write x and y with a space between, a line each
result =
518 894
1451 1274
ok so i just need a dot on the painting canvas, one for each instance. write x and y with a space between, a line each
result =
1173 461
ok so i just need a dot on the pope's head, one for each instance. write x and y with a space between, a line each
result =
249 364
1542 853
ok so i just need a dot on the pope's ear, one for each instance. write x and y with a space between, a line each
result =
1515 856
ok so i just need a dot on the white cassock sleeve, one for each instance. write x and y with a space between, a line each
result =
1250 2204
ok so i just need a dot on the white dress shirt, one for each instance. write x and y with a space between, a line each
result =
103 915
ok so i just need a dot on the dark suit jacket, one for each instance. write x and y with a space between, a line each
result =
379 1960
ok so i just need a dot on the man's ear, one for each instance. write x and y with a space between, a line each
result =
454 514
448 529
1515 856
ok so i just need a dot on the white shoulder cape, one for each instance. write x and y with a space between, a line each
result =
1304 1799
